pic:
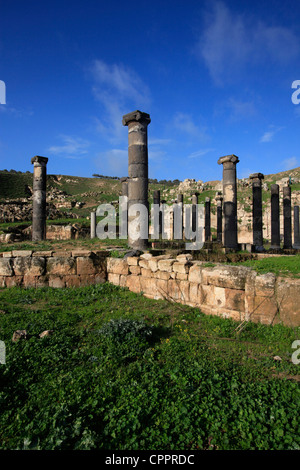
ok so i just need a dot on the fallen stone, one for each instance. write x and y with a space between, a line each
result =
19 334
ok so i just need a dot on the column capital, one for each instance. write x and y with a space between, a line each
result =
136 116
228 159
38 159
259 176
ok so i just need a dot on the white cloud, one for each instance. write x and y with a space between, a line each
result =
120 90
72 147
290 163
231 42
268 136
184 123
200 153
113 162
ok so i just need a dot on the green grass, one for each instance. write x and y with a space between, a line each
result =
279 265
54 245
124 372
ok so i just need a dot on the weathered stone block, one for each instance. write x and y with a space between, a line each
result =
265 309
29 280
184 257
89 265
153 264
72 280
181 276
87 279
61 265
143 263
21 265
114 278
6 254
265 284
62 254
162 288
123 280
173 290
135 270
184 288
194 293
235 299
166 265
148 285
195 273
288 297
117 266
146 256
162 275
81 253
46 254
22 252
12 281
132 261
133 283
37 266
233 277
181 267
56 281
146 272
6 267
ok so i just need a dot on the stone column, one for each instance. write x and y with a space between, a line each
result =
194 211
275 217
257 217
287 219
207 220
124 182
39 198
219 200
230 200
93 224
296 228
137 123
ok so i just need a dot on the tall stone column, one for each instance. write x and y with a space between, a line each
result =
257 216
207 229
230 200
287 218
124 183
296 228
194 211
137 123
219 200
275 217
39 198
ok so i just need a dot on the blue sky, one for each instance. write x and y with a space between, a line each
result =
215 77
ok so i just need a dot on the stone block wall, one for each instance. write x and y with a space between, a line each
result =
234 292
53 269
